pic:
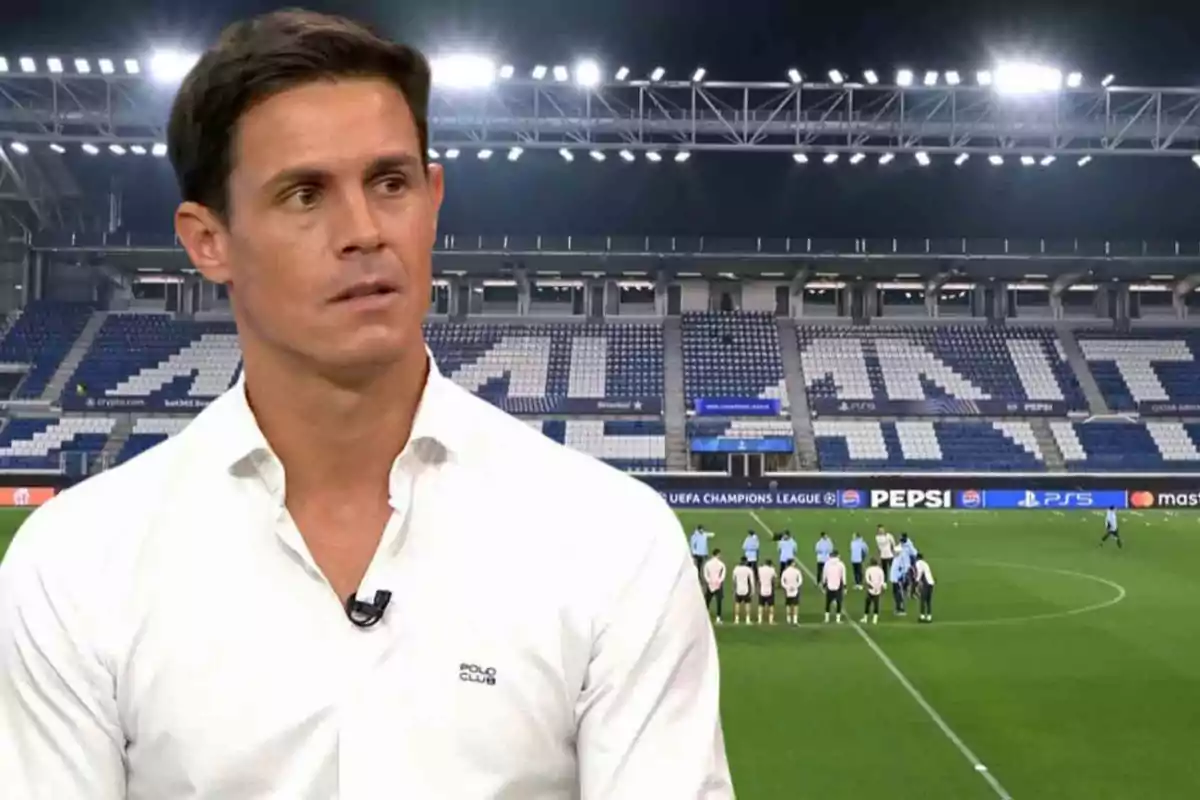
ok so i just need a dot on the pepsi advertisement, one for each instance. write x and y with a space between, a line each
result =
1046 499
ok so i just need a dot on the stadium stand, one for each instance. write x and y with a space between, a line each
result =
149 431
1160 446
634 445
728 355
36 444
534 368
41 336
157 362
1145 365
922 362
871 445
740 428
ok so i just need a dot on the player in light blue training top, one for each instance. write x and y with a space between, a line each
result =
787 550
900 567
824 549
858 554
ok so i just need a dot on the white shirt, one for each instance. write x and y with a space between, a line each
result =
766 580
875 580
834 574
924 573
714 573
790 580
743 576
886 544
165 633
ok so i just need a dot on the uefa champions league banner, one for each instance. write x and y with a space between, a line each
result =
716 497
938 406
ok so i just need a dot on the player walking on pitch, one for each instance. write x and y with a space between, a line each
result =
766 592
858 554
743 582
834 581
823 549
875 584
925 581
714 582
886 544
1110 528
791 580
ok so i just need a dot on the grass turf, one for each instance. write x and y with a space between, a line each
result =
1056 704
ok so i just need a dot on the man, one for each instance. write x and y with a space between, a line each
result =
834 580
699 544
898 574
885 543
824 548
858 552
714 582
750 548
743 584
766 592
925 581
909 548
787 550
791 580
208 620
875 583
1110 528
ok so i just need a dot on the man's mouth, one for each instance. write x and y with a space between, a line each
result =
371 288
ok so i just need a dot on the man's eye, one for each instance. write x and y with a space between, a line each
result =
392 184
304 197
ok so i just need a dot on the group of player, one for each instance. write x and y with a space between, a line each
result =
896 563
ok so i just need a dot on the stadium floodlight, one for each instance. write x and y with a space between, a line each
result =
931 78
507 71
83 66
1196 159
137 150
658 74
159 150
699 74
953 78
567 155
887 158
1075 80
996 160
1107 82
794 75
561 74
627 156
923 158
984 77
830 158
682 156
587 73
539 72
904 77
962 159
484 154
3 64
598 156
800 158
1022 78
452 153
134 67
871 76
836 76
116 149
1048 160
27 64
58 148
515 152
106 66
857 159
434 155
463 71
90 149
171 66
1083 162
1028 161
19 147
622 73
55 65
653 156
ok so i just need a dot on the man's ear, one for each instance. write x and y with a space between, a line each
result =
436 178
206 240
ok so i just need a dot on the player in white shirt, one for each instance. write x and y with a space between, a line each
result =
791 580
886 544
714 582
1110 528
766 592
743 583
925 581
875 583
833 578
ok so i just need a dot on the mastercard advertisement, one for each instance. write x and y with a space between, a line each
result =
25 496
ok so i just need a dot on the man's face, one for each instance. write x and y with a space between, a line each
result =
331 225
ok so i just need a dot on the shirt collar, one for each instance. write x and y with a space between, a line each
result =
438 424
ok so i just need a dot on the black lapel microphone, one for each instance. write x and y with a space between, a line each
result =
364 614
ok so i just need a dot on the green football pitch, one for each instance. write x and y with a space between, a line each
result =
1054 669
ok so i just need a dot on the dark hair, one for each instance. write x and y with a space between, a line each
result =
259 58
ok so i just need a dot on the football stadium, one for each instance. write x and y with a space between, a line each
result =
994 391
